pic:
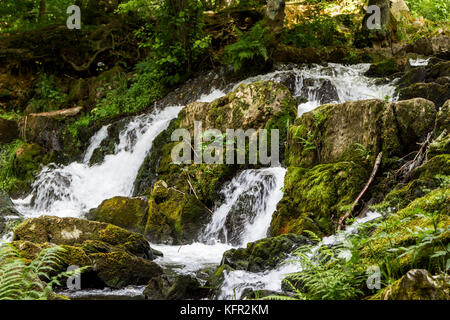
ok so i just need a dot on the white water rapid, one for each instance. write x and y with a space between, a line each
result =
68 191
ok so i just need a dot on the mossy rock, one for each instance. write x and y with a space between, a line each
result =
216 279
314 199
416 284
118 269
385 68
178 219
127 213
263 254
432 91
186 287
443 119
353 130
74 232
402 230
28 160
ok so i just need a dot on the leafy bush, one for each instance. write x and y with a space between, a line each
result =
319 30
250 46
435 10
48 97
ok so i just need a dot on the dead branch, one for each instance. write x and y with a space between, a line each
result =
366 187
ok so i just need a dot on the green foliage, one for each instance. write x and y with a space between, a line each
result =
22 281
328 274
48 97
435 10
251 45
25 14
318 30
7 156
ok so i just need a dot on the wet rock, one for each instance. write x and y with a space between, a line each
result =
251 294
74 232
9 130
332 132
327 189
263 254
119 269
417 284
29 159
321 90
432 46
438 93
216 279
186 287
45 128
156 288
127 213
385 68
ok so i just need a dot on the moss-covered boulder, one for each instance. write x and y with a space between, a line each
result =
433 91
127 213
416 284
186 287
386 67
119 268
28 160
74 232
177 219
314 199
334 133
263 254
216 279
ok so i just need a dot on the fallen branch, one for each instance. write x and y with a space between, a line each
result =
418 160
372 177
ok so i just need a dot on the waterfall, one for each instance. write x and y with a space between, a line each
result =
250 200
71 190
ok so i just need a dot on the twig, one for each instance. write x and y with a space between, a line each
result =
372 177
193 190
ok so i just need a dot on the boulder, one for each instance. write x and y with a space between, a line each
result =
263 254
127 213
9 130
114 256
28 160
416 284
327 191
74 232
433 91
45 128
333 133
182 287
118 269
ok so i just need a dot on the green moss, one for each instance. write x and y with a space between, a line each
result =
128 213
315 198
406 229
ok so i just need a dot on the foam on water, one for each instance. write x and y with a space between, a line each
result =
68 191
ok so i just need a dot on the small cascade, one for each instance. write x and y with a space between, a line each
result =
245 215
71 190
315 85
237 281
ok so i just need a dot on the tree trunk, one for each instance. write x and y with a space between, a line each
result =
42 9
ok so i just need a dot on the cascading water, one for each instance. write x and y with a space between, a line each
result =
71 190
249 199
235 282
189 259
